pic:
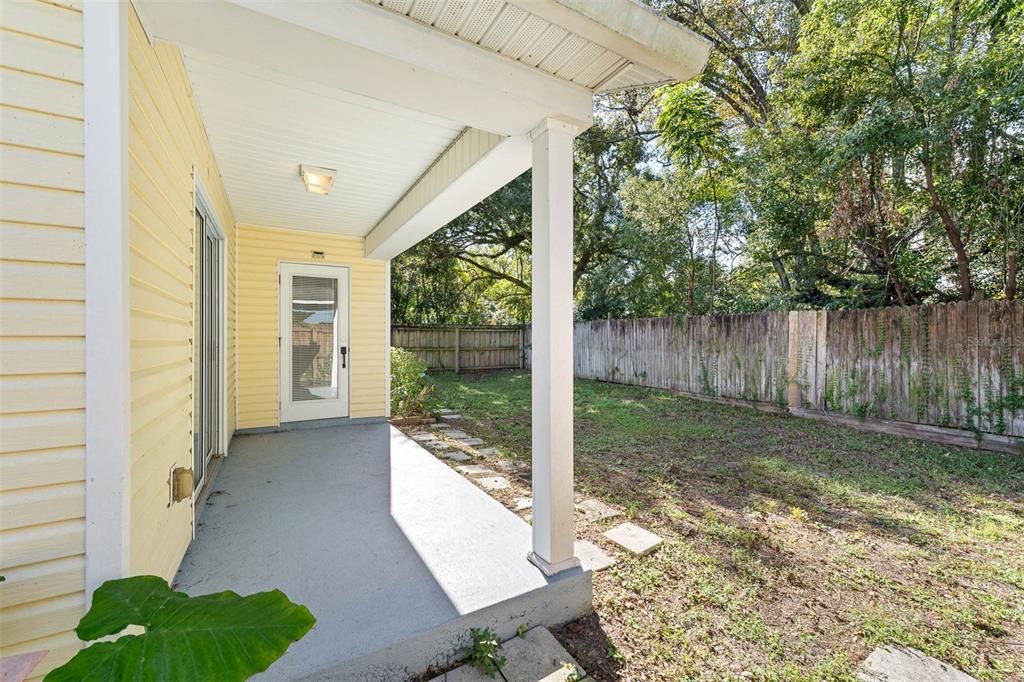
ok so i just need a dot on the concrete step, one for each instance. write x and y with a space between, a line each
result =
535 657
561 600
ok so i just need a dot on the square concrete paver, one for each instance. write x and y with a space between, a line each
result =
591 556
423 437
488 452
904 664
476 470
633 538
596 510
441 426
471 442
455 433
492 482
454 455
538 656
522 503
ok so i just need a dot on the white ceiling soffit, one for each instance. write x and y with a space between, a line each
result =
602 45
263 125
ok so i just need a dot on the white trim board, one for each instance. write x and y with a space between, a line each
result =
107 324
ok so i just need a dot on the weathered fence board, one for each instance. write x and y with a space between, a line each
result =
956 365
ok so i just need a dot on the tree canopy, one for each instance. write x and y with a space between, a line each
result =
834 153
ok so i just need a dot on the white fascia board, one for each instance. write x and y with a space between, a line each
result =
367 50
475 166
630 29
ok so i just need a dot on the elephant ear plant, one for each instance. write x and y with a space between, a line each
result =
222 636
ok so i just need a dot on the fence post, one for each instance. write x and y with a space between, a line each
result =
522 345
793 360
456 350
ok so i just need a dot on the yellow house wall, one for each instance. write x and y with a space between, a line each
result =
166 141
42 329
260 250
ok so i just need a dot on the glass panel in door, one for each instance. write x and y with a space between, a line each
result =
314 317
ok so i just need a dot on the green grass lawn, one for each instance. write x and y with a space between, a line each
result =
792 547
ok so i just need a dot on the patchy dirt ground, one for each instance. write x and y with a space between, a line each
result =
792 547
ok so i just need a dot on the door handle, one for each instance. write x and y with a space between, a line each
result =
344 355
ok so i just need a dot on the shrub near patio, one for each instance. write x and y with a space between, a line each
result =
792 548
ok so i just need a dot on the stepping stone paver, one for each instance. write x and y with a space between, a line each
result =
464 673
591 556
454 455
470 442
510 465
441 426
596 510
477 470
538 656
904 664
522 503
456 434
423 437
453 417
492 482
445 410
633 538
488 452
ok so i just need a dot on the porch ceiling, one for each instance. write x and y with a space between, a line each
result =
263 124
380 89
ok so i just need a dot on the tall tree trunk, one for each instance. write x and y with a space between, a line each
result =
1010 290
713 264
949 225
780 270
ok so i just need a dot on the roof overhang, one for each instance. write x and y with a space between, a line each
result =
444 60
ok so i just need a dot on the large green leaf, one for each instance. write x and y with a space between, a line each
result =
223 637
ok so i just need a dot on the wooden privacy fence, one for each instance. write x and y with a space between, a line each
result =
955 365
462 348
902 370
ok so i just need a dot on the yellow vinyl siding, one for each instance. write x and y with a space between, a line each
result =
260 250
166 142
42 327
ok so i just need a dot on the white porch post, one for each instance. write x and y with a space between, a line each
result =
553 532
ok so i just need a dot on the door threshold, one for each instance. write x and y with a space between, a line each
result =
311 424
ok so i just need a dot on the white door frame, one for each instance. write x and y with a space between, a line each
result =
202 203
320 409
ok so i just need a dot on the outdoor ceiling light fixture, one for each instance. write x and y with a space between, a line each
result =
317 179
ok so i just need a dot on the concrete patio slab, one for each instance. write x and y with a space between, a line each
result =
476 470
596 510
592 557
633 538
492 482
396 554
904 664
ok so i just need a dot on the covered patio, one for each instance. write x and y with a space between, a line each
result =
395 554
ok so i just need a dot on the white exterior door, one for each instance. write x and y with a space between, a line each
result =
314 341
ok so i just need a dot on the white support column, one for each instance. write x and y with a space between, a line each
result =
553 532
107 330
